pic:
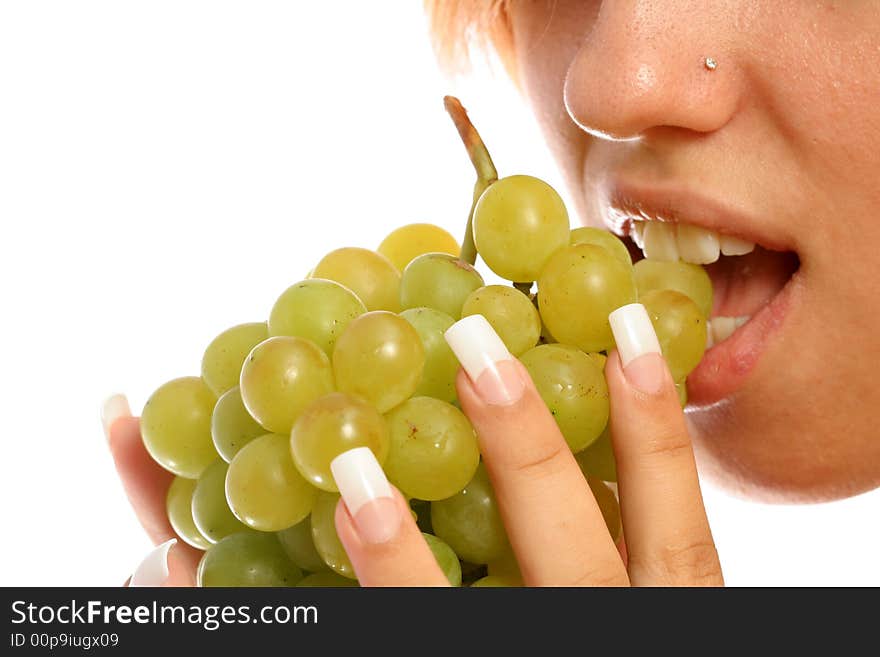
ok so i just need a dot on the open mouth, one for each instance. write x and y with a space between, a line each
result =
752 279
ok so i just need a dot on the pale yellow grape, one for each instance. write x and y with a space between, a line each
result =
572 384
247 559
597 460
210 511
368 274
506 581
680 328
232 427
299 546
470 521
510 312
316 309
607 502
578 289
326 580
519 222
379 357
324 535
434 451
687 278
410 241
438 280
280 377
446 559
604 238
681 389
176 426
441 365
221 363
178 506
330 426
263 487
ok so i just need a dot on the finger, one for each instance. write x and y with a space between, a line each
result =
376 527
145 482
554 524
164 565
668 538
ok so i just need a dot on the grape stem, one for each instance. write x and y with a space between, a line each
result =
483 165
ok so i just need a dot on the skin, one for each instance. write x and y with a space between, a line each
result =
786 130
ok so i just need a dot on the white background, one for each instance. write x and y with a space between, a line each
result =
167 168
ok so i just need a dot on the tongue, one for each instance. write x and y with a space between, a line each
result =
744 284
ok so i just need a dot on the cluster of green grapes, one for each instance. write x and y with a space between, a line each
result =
355 356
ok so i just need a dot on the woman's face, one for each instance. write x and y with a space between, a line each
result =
778 145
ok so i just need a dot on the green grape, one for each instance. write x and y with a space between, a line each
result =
263 487
441 365
282 376
324 535
689 279
519 222
680 328
315 309
510 312
332 425
368 274
572 384
422 512
578 289
498 581
247 559
380 358
607 502
408 242
446 559
597 460
221 364
210 510
178 506
440 281
299 546
232 427
326 580
681 389
176 426
604 238
505 566
434 451
470 522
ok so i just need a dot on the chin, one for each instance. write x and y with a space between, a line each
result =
780 439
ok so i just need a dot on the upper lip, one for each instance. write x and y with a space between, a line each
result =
625 201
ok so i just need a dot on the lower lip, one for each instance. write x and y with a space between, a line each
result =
726 366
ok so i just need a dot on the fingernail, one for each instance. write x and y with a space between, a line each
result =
367 495
486 360
153 570
115 407
637 345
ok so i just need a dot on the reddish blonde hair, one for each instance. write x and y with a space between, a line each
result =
458 26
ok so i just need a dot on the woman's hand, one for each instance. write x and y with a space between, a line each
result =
554 524
146 484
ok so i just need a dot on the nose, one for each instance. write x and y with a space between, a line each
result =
644 66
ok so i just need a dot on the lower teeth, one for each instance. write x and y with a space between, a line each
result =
721 328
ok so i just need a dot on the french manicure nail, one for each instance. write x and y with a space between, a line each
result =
115 407
367 495
153 570
486 360
637 345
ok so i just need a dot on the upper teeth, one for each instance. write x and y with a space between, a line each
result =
667 241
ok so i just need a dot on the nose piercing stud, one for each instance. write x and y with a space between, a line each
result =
711 64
